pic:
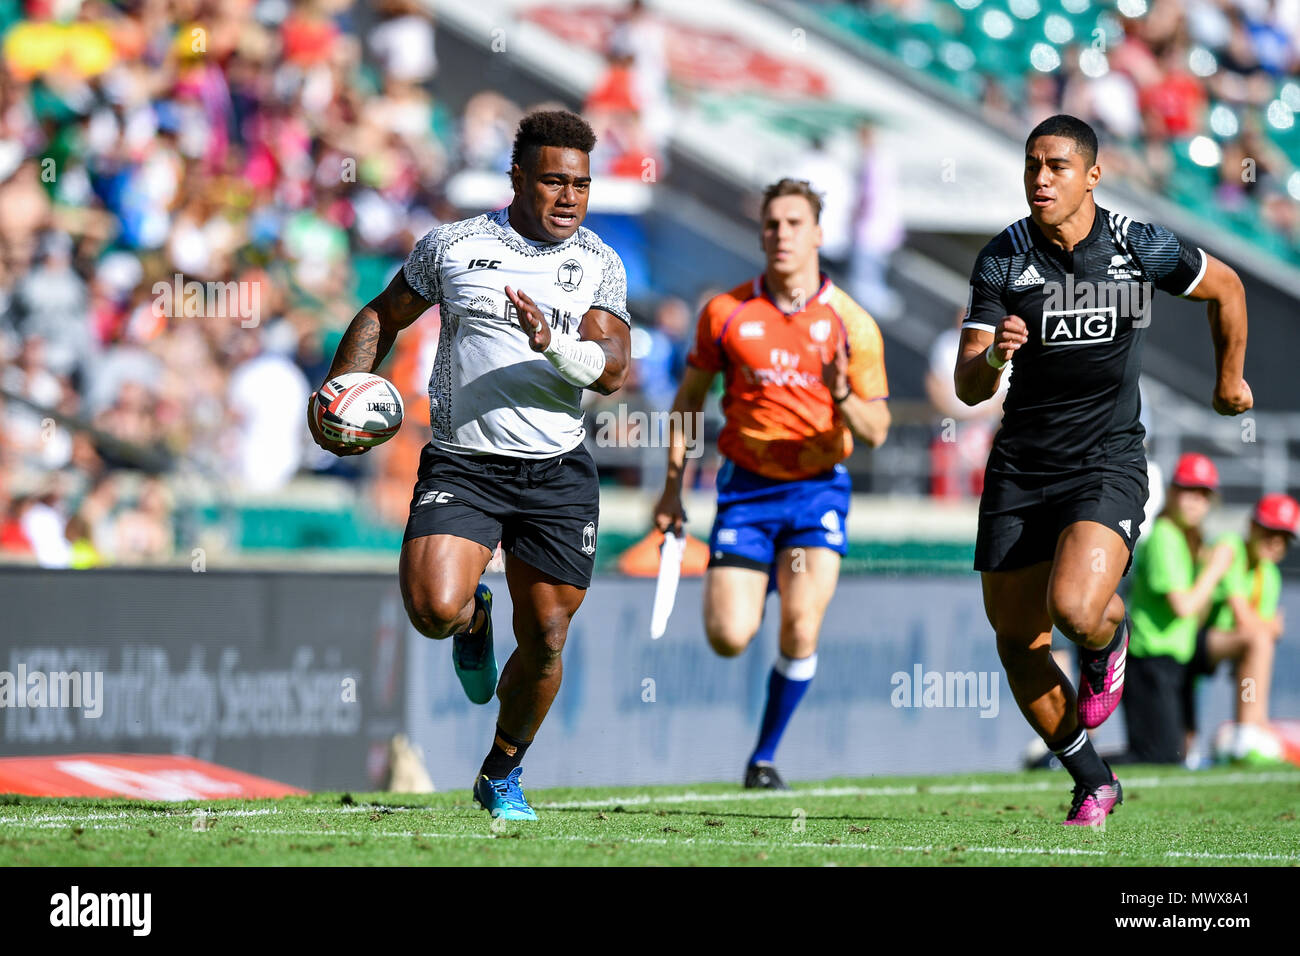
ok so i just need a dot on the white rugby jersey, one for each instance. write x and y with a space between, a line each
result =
490 393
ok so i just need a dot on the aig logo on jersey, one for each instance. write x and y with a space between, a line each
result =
1079 326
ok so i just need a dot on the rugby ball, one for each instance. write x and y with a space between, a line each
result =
359 409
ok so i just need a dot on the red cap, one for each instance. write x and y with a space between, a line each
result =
1196 471
1278 512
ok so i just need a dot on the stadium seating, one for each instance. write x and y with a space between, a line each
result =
973 45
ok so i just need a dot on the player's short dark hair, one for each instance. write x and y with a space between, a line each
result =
558 128
794 187
1072 128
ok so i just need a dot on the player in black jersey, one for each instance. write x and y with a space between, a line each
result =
1067 293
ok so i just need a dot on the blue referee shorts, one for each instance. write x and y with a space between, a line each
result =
759 517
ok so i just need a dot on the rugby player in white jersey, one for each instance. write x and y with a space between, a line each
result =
533 310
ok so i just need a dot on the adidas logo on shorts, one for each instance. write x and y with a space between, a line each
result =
1029 277
1127 525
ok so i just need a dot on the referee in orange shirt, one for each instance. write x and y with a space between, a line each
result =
804 372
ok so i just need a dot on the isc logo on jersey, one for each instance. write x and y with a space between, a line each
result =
1079 326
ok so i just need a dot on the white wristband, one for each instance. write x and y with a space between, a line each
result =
579 363
989 354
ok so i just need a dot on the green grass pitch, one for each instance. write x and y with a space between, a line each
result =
1169 817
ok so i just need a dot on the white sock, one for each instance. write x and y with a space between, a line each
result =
791 668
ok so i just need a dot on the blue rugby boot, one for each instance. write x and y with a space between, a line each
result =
503 798
472 654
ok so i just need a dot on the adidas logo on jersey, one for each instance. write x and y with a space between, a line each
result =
1029 277
1127 525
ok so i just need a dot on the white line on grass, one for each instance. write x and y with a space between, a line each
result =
211 810
915 790
1040 786
1117 854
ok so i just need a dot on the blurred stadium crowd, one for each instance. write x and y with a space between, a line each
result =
295 150
216 142
1194 98
298 150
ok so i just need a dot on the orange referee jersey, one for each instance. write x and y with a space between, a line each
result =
781 421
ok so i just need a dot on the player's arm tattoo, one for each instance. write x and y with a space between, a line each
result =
615 339
373 330
360 351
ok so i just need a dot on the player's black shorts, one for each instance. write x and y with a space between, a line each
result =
1021 516
543 511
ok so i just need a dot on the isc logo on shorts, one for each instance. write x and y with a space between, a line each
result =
435 497
1078 326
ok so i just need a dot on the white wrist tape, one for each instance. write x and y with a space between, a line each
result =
579 363
990 356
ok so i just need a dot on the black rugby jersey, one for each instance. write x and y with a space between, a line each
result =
1073 399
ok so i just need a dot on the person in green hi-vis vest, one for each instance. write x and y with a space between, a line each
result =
1173 586
1244 625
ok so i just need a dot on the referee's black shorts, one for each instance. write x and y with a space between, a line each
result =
1021 516
544 511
